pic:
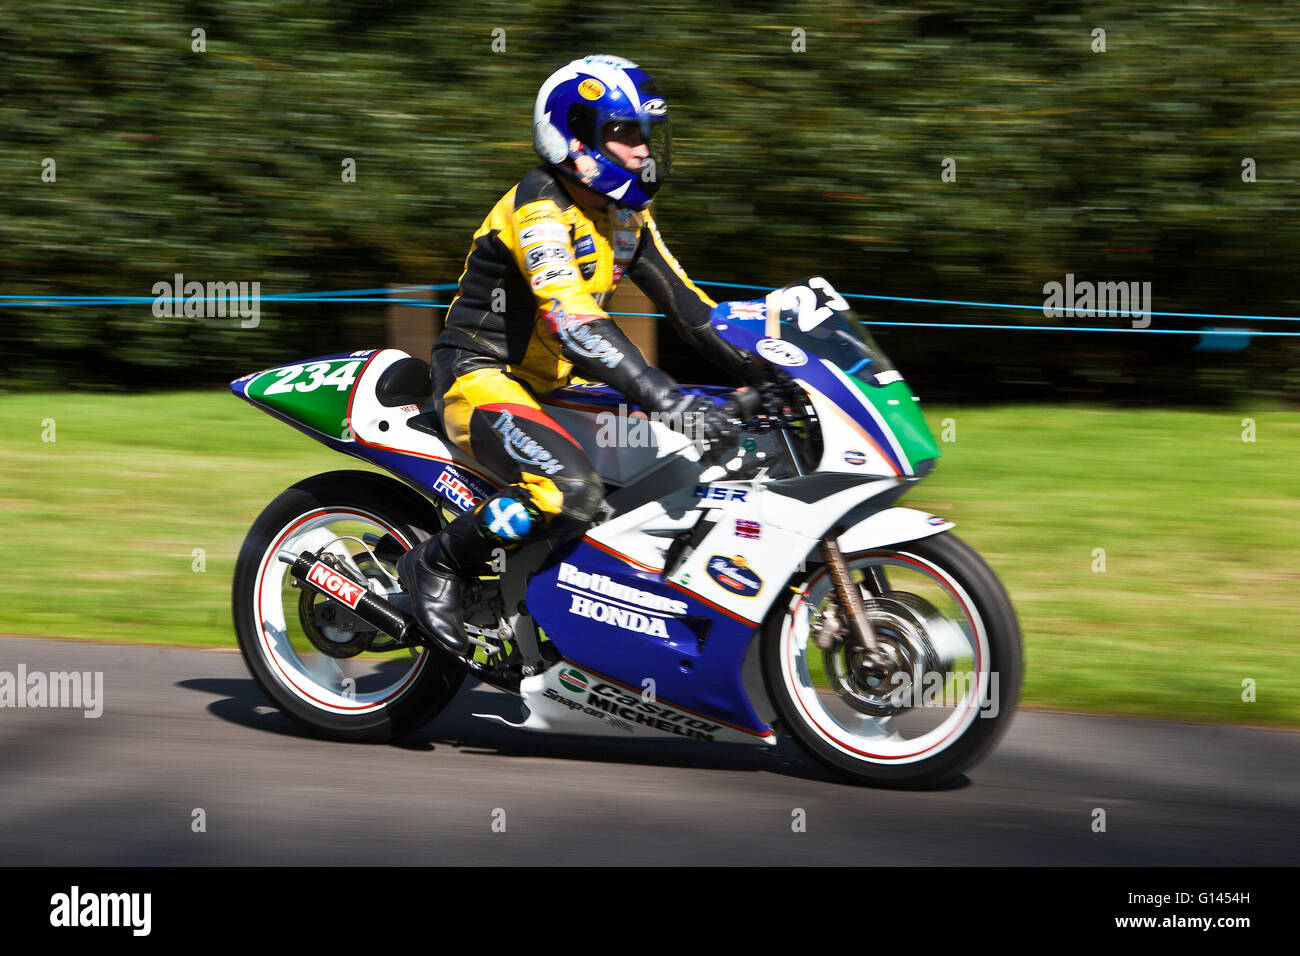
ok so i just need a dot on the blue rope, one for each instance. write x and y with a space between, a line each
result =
385 295
1007 305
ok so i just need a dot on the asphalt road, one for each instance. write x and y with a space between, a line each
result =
183 729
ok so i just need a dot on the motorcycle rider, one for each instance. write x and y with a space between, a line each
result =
529 315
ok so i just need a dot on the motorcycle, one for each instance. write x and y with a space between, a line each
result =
783 590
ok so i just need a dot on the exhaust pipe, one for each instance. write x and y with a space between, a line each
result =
319 574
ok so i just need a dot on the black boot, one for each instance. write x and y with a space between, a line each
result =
433 573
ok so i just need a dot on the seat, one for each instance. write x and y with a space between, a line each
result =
405 382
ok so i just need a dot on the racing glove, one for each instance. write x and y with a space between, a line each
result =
717 426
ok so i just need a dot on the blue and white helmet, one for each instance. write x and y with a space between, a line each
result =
575 108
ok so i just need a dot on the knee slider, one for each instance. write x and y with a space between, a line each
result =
510 517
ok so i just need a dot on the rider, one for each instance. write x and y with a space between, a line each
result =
529 315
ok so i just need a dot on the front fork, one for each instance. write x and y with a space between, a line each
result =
861 632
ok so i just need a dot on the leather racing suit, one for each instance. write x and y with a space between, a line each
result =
529 316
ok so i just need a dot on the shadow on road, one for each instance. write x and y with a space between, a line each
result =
243 703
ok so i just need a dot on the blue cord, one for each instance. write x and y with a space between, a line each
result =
384 295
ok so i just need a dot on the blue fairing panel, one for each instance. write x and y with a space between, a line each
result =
626 623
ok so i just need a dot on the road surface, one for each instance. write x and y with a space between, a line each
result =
185 730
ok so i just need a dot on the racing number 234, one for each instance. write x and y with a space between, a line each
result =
341 377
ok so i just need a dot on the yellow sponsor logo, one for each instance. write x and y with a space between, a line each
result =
591 89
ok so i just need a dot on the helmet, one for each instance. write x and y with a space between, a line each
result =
575 108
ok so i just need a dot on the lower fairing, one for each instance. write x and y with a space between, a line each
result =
576 700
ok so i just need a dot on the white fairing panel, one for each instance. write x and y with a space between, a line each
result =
367 415
756 537
891 526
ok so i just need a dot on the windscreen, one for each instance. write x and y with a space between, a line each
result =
818 320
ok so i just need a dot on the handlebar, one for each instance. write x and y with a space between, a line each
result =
778 406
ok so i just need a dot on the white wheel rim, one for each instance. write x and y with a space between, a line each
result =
869 738
320 680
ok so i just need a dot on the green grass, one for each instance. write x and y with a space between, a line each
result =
1199 530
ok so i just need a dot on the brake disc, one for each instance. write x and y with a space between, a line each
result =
914 639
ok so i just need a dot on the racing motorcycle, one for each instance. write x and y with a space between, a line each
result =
781 590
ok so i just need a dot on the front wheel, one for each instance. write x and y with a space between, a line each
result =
324 668
941 693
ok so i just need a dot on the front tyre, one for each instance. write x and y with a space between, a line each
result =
953 682
323 668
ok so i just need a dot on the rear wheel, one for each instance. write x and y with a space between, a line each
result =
950 676
321 666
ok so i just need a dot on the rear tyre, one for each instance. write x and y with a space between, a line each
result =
311 660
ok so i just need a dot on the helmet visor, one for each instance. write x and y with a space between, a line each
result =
643 147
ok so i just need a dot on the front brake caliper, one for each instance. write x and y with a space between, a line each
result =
828 629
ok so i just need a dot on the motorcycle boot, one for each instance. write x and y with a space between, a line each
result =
434 573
